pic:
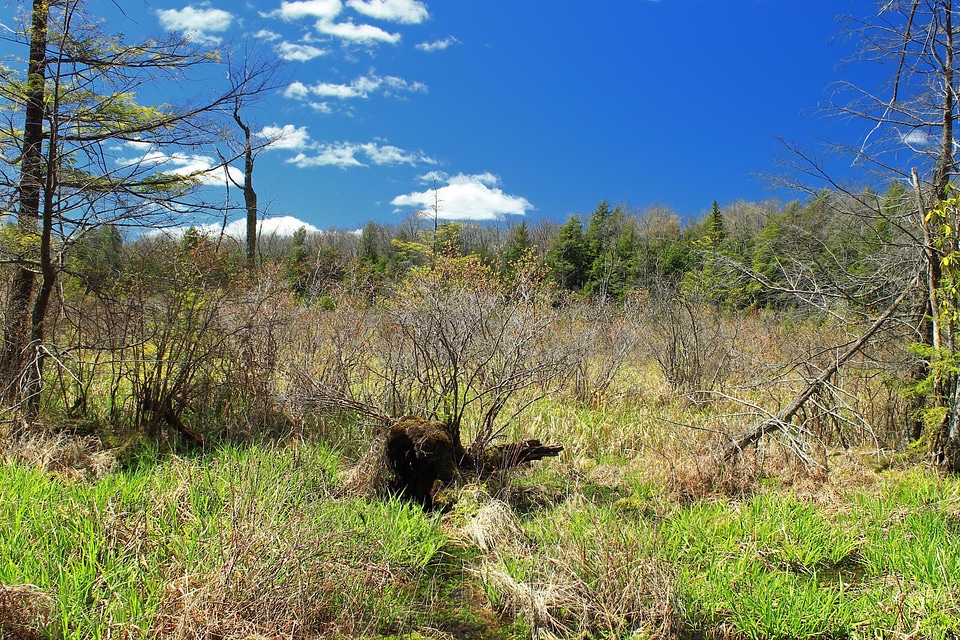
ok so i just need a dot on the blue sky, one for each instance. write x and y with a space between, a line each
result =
523 107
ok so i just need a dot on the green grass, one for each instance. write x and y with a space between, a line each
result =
259 532
243 541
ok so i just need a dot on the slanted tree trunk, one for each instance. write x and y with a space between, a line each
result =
782 419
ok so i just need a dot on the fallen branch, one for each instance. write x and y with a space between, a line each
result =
781 421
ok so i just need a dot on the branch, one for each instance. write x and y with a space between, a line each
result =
783 418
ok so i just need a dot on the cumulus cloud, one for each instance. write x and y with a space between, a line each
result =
344 155
298 52
323 9
266 34
282 226
289 137
195 23
402 11
341 155
296 90
466 197
360 87
358 33
437 45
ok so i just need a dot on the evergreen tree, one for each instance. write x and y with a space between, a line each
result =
517 247
716 230
568 258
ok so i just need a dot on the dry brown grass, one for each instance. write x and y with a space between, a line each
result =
370 476
604 584
292 582
25 612
71 457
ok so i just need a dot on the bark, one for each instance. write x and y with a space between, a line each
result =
945 449
17 332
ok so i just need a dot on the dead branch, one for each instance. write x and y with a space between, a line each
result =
782 420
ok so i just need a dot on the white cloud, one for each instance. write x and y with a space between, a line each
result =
282 227
359 33
341 91
298 52
196 23
266 34
338 155
432 177
323 9
287 137
388 154
466 197
399 84
344 155
203 169
360 87
296 90
402 11
437 45
917 138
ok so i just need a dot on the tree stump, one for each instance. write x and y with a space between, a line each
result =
421 456
424 458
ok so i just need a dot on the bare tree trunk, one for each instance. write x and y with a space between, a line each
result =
249 195
945 450
17 332
33 383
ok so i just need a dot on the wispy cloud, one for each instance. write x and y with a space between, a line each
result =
323 9
204 169
298 52
402 11
357 33
289 137
360 87
344 155
916 138
196 23
466 197
437 45
266 34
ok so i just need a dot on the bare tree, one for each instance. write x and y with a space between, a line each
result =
251 70
900 280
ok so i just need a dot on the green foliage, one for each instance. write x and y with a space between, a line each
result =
569 257
517 247
720 276
297 264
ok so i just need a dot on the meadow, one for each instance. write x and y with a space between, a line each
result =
282 524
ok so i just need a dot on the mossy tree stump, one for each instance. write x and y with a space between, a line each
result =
425 456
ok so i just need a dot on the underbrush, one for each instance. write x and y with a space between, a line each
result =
266 542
